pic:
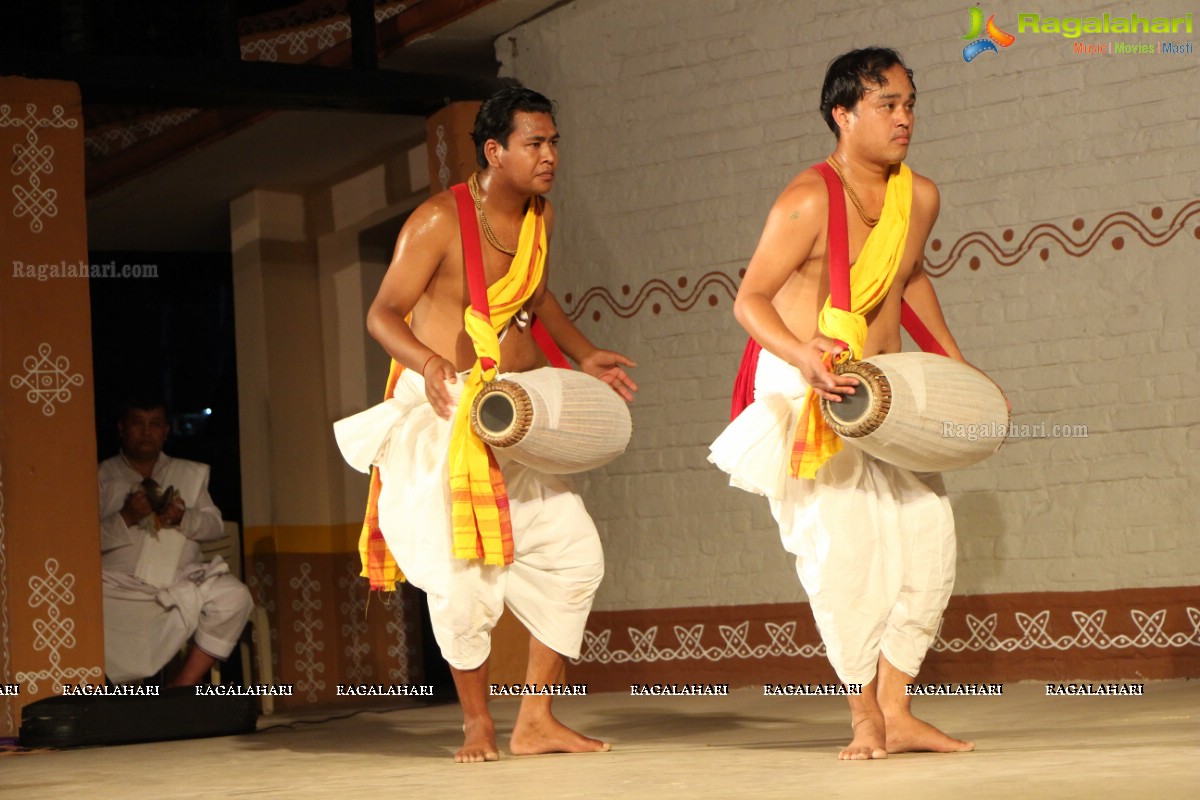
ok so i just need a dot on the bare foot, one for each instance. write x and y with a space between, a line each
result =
545 734
479 743
869 740
907 734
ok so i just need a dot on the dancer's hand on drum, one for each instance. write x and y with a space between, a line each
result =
438 372
816 356
606 365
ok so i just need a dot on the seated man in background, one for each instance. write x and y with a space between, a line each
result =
158 592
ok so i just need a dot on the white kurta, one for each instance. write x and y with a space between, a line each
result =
152 607
558 562
874 544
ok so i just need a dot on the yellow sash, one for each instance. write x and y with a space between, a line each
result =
479 513
870 279
475 479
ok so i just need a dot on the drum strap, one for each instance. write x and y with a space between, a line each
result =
839 264
545 342
917 330
838 244
477 283
837 240
473 258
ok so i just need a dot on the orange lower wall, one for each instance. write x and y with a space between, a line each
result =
325 630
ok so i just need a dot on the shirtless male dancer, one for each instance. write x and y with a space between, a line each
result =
874 543
558 561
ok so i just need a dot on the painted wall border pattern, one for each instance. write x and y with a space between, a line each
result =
400 626
1034 635
56 632
109 140
5 649
298 42
442 149
1118 221
261 583
326 35
32 160
308 603
711 285
47 380
354 610
716 285
734 644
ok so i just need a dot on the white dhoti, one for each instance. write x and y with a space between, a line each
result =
557 562
874 544
146 626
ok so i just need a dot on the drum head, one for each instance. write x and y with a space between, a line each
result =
501 413
863 412
496 413
853 408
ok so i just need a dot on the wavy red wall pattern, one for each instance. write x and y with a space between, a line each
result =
712 285
1118 221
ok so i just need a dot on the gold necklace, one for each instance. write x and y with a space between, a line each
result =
473 186
858 206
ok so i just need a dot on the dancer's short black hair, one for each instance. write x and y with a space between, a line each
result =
495 117
850 75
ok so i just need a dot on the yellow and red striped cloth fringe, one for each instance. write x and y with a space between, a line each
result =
378 565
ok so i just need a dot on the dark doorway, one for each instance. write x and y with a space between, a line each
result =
170 331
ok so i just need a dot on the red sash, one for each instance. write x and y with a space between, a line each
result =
838 243
477 283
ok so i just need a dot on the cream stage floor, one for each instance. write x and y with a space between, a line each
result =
741 746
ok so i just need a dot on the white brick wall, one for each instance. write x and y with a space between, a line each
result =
681 121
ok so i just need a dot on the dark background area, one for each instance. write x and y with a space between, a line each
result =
172 335
127 27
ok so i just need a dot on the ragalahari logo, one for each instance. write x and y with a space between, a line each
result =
994 37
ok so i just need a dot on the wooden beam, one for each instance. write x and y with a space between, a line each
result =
132 80
223 39
148 155
429 16
364 48
75 27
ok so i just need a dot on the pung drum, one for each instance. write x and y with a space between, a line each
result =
920 411
554 420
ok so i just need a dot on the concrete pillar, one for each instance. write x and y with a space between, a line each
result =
301 551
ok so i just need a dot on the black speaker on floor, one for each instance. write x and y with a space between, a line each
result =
178 713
